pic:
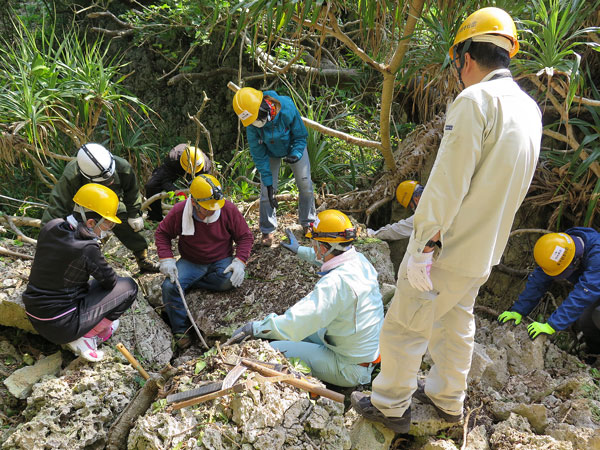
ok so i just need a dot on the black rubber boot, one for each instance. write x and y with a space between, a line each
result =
145 265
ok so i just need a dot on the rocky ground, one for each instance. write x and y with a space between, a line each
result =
522 394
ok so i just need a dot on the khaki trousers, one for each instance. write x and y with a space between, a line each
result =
440 321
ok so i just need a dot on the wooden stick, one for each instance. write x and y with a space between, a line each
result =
136 365
302 384
223 392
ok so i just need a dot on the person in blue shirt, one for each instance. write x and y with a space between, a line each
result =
275 131
574 256
335 328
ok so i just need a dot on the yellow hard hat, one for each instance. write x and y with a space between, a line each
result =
246 103
490 20
332 226
554 252
405 191
207 192
192 157
99 199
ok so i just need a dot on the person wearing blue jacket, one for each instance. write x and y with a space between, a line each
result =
275 131
574 256
335 328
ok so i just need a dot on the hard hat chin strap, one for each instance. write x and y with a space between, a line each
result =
461 60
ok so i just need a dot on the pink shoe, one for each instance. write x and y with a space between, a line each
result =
105 334
86 348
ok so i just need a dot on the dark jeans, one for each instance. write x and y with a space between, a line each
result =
205 276
591 332
161 180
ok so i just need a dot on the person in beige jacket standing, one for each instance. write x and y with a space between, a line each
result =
481 174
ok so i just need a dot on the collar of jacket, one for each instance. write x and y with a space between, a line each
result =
337 261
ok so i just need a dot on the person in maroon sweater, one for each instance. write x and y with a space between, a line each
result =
207 226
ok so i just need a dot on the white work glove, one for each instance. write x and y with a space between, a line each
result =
136 223
418 270
168 267
239 269
371 233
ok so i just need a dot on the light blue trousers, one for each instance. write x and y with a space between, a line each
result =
306 200
326 365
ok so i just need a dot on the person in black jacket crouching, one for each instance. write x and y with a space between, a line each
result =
63 305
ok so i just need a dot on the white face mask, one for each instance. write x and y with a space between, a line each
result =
259 123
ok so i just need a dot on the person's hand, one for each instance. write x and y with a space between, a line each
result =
136 223
510 315
168 267
291 159
293 244
418 269
537 328
272 199
242 333
371 233
239 269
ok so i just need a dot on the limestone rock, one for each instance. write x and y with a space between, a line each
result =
523 355
143 332
12 311
479 363
367 435
477 439
496 374
440 444
76 409
581 438
536 414
22 380
378 254
516 433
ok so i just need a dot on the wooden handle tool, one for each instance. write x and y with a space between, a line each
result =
136 365
302 384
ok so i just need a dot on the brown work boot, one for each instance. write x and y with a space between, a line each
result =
267 239
420 395
182 341
361 403
145 265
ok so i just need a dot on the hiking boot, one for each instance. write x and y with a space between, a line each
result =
420 395
363 406
267 239
144 264
182 341
87 348
105 334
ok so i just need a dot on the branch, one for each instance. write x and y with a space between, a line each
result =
336 32
18 232
201 128
7 252
112 33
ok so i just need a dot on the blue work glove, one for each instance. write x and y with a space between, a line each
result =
510 315
291 159
293 245
537 328
272 199
242 333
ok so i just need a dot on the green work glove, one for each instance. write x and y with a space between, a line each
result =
510 315
537 328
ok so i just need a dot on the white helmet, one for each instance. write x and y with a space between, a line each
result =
95 162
